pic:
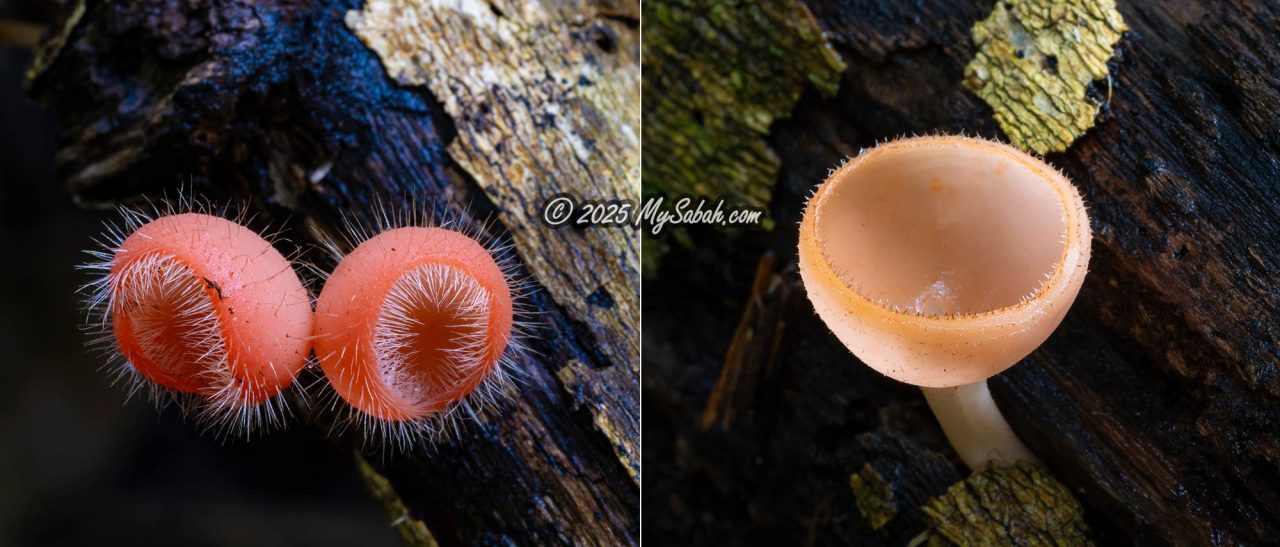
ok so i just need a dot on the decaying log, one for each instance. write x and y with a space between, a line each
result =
1156 403
304 111
541 120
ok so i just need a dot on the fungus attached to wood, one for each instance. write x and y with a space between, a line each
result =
415 327
942 261
202 310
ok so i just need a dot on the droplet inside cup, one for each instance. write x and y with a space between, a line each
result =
937 299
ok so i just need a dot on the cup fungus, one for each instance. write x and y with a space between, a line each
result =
202 308
413 324
942 261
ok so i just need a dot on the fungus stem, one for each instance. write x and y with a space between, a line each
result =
975 427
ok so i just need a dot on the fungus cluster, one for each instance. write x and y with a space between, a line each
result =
413 325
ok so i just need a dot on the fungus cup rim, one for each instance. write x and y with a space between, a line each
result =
1077 233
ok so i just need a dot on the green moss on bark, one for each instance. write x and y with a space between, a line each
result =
1014 505
874 495
1034 63
717 73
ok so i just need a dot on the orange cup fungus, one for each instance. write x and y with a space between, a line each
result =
942 261
410 324
201 306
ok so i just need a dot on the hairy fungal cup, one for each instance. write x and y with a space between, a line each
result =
942 261
202 309
416 326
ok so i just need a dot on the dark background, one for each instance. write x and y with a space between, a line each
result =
79 466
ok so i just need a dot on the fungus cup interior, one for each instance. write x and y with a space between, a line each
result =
943 230
411 321
434 327
165 325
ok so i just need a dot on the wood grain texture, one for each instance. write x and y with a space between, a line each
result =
279 105
545 98
1156 402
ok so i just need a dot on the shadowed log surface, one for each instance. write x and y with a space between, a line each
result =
1156 403
281 106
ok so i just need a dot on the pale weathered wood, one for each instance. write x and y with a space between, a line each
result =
545 98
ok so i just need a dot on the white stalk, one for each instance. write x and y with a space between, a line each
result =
975 427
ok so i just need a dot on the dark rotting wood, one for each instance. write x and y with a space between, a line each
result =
1157 403
281 106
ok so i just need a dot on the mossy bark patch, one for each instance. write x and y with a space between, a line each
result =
874 495
1013 505
1035 61
717 74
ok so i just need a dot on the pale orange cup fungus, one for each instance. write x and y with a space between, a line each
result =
942 261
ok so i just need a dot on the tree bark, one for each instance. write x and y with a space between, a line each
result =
296 110
1155 403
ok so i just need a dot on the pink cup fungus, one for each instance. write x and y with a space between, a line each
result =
415 326
205 310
